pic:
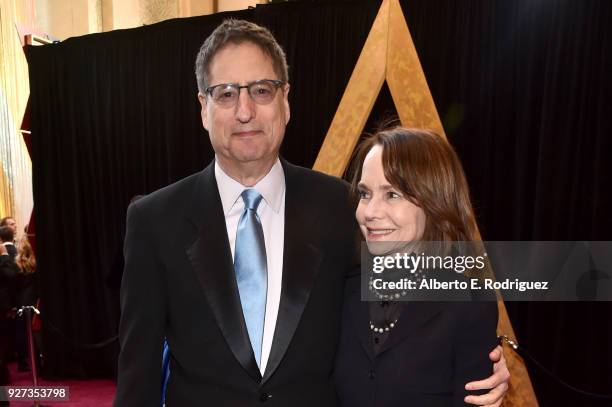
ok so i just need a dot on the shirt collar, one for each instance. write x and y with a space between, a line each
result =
271 187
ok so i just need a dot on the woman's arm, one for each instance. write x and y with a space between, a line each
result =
475 338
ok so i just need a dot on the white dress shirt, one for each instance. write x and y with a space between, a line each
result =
271 211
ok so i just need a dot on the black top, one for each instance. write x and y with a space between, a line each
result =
434 349
382 315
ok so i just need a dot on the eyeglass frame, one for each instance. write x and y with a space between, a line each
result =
276 82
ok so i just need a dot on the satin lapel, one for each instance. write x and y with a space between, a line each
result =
211 258
415 315
359 312
301 261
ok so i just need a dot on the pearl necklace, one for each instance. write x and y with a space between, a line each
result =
385 328
417 276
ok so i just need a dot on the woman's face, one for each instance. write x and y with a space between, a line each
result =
383 213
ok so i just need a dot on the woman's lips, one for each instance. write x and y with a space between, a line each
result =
378 234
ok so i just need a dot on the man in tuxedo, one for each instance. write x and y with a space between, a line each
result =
241 267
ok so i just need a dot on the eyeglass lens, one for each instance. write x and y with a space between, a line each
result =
262 92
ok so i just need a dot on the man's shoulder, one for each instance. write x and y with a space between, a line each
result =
169 199
325 197
315 178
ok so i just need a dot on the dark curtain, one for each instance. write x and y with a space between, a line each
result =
525 94
522 87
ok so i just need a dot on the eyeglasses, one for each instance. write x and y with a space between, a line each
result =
261 92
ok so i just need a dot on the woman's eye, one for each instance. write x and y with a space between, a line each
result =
363 194
393 195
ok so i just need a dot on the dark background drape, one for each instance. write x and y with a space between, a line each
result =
523 88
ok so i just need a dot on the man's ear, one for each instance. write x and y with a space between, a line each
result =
286 102
203 111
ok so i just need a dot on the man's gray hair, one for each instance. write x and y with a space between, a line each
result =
233 31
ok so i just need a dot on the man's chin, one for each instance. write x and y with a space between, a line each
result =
252 157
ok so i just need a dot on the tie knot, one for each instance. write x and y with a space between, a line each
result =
251 199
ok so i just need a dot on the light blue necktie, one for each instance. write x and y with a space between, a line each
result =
251 270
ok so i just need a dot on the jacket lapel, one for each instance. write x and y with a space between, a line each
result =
413 317
359 312
301 261
211 258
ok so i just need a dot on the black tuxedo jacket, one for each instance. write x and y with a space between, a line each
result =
8 275
179 283
11 249
432 352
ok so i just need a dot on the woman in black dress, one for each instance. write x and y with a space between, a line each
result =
412 188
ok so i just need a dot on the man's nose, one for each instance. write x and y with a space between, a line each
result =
245 107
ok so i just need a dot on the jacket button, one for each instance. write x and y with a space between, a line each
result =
265 397
371 375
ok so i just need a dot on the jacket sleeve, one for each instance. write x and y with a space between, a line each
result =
476 338
142 323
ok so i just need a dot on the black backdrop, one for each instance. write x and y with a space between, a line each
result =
523 89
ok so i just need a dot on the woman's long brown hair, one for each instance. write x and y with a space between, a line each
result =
26 259
426 169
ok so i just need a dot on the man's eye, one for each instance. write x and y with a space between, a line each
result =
262 91
224 93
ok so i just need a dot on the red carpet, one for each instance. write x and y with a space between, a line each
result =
83 393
